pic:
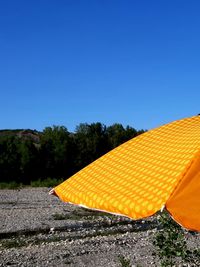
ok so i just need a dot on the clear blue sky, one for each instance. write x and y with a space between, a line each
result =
64 62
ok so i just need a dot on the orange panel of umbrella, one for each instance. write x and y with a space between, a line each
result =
159 168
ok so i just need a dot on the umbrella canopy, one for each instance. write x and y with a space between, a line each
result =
158 168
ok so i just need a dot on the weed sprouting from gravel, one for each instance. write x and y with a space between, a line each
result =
125 262
170 243
12 243
58 216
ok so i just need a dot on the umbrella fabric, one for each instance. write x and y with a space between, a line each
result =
184 203
140 176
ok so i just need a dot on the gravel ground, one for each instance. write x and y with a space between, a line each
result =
36 229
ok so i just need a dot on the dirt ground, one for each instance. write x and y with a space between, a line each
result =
36 229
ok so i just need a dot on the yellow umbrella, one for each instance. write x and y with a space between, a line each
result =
160 168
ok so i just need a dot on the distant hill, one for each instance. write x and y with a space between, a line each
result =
26 134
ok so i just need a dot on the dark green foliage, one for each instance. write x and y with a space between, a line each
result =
59 217
91 141
13 243
29 157
29 161
57 152
170 243
10 185
9 159
117 134
46 182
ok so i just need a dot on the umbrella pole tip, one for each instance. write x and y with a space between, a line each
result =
162 208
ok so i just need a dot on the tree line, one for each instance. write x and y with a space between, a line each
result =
28 155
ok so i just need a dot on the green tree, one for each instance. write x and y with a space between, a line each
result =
57 152
9 159
117 134
92 142
29 161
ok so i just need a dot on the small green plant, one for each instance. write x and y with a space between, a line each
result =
124 261
10 185
13 243
58 216
170 243
48 182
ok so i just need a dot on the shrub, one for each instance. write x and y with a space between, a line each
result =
10 185
171 245
48 182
